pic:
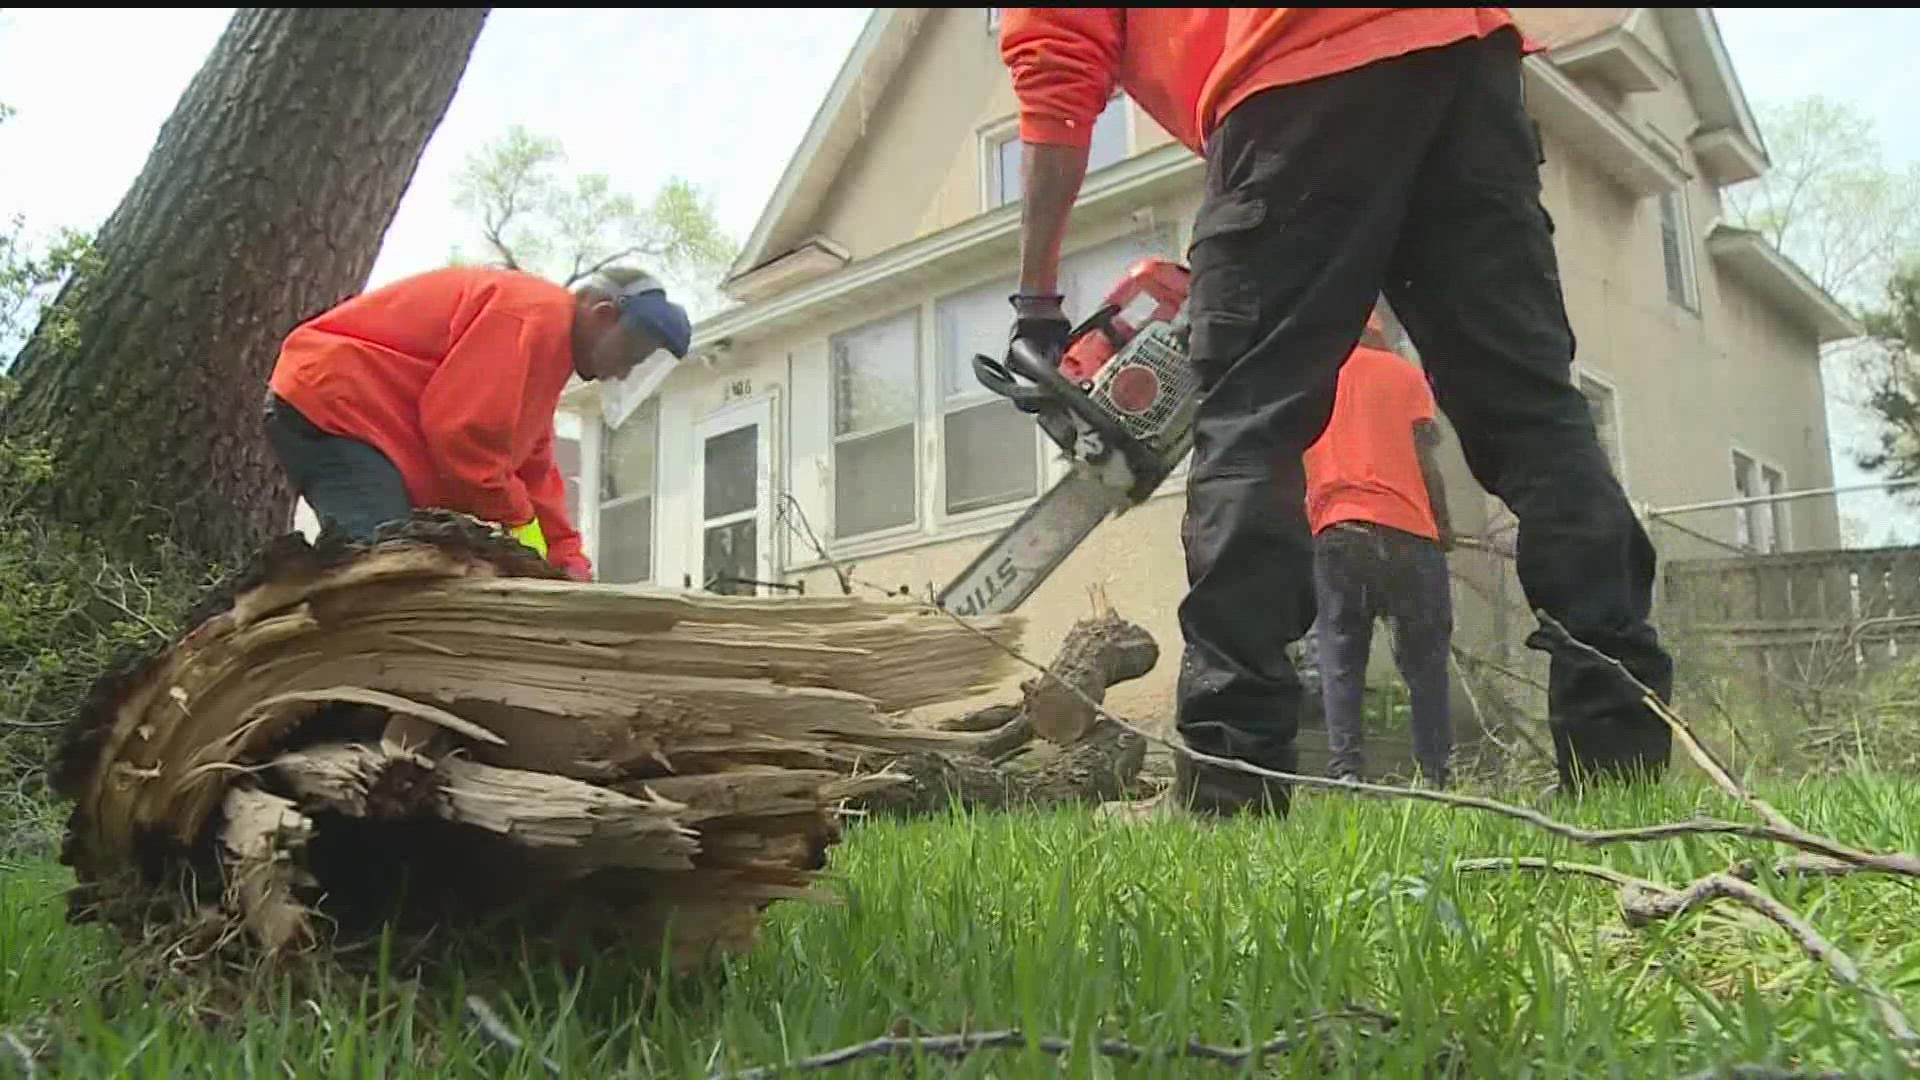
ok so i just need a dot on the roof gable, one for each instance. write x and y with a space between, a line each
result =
786 224
836 129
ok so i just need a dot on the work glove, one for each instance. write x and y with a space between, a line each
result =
530 535
1041 322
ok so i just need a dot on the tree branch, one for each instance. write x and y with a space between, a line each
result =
956 1047
1643 902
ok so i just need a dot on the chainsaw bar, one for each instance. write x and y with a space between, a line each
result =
1028 551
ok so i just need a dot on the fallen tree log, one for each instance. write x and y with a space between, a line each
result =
1100 761
437 727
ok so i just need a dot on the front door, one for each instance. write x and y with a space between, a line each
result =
734 475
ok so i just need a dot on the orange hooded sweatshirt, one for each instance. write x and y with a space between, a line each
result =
454 375
1189 67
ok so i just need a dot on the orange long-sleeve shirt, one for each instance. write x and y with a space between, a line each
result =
1188 67
1364 466
454 375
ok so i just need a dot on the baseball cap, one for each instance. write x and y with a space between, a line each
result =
644 306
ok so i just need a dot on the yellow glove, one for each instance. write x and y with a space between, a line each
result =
530 535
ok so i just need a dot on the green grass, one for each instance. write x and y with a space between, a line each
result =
1062 925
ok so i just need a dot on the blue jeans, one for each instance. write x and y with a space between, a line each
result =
346 481
1363 572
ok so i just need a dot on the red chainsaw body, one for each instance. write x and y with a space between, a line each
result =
1153 290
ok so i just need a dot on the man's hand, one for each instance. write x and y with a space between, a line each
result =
1042 323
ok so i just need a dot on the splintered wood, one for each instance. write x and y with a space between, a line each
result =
440 708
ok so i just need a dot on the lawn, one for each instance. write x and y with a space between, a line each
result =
1064 925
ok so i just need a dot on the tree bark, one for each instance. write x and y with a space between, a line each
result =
443 705
263 203
1101 760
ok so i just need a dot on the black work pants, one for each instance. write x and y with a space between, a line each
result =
1416 176
1363 572
349 483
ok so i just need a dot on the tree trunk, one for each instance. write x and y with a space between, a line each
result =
1101 760
446 705
263 203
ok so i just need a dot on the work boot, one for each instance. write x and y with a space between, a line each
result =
1210 789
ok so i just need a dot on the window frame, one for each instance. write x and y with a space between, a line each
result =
995 135
947 404
1583 376
916 314
1689 278
649 410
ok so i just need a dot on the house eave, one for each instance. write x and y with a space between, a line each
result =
837 125
1748 257
1616 58
1560 106
990 239
1727 156
810 260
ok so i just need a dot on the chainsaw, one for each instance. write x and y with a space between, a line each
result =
1119 402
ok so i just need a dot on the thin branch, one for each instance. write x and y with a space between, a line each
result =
152 627
1725 886
956 1047
1643 902
1612 877
1782 828
20 1053
497 1032
604 263
1901 864
1759 1073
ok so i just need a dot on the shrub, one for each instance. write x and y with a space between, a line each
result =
67 612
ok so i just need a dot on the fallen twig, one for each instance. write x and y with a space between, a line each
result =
1759 1073
956 1047
497 1032
1788 832
20 1053
1643 902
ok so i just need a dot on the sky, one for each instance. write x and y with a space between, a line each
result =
719 97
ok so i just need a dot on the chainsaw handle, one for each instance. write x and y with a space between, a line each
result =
991 374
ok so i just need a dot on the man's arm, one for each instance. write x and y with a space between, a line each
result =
1063 63
1427 439
547 489
468 413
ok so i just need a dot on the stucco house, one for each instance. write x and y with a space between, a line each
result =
836 390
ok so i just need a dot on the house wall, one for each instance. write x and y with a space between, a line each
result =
1690 384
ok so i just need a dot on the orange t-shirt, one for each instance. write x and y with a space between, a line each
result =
1188 67
454 375
1364 466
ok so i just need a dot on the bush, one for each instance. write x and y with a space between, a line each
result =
67 612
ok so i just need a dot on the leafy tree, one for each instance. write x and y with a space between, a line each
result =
1892 371
1830 201
263 202
1851 220
532 217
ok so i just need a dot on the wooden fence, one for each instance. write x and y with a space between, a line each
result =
1802 616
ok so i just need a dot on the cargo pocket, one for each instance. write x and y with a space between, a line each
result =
1225 299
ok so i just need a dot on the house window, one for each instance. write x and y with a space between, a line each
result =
1603 406
876 397
566 456
989 446
628 457
1108 147
1779 532
1746 519
1676 250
